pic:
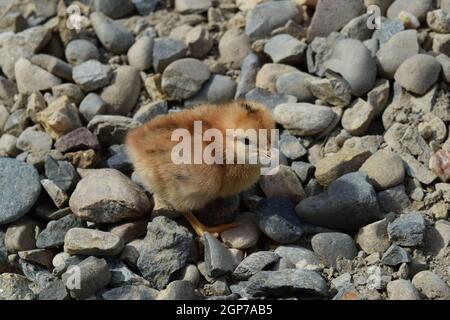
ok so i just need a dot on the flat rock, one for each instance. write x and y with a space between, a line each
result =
292 52
254 263
111 129
92 242
330 246
349 203
166 51
20 189
395 255
218 259
92 75
108 196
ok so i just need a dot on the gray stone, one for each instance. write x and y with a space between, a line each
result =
402 290
149 111
80 50
133 292
334 90
354 62
121 275
380 178
111 129
21 235
15 287
93 275
431 285
218 258
269 99
373 238
336 14
265 17
183 78
8 90
358 117
283 183
254 263
349 203
145 7
438 21
291 147
33 140
379 96
71 90
108 196
16 123
419 8
166 51
234 47
218 89
303 170
55 231
394 199
119 159
178 290
357 28
245 235
407 230
395 255
282 283
286 49
192 6
113 36
331 246
165 250
113 8
92 75
123 92
91 106
269 74
53 65
20 188
303 119
189 273
62 173
84 241
300 257
31 78
296 84
199 42
276 218
418 73
140 55
247 77
58 196
56 290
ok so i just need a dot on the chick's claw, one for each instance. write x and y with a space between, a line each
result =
200 228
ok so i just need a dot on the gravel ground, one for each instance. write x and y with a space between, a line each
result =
358 210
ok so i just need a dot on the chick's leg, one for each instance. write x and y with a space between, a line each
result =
200 228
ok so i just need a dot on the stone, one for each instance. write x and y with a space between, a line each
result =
113 36
336 13
16 123
218 258
269 99
78 139
189 273
333 90
418 73
354 62
192 6
33 140
72 91
419 8
91 106
439 21
79 50
395 255
416 169
55 66
41 257
166 51
276 218
165 250
58 196
345 161
15 287
31 78
93 275
130 231
8 146
268 75
20 189
255 263
123 92
265 17
119 159
24 44
140 55
358 117
331 246
59 118
282 283
303 170
55 231
444 60
349 203
92 75
108 196
379 96
151 110
234 47
291 147
373 238
56 290
247 77
178 290
21 235
114 9
35 104
283 183
357 28
300 257
218 89
296 84
407 230
441 43
199 42
394 199
145 7
402 290
293 50
439 164
92 242
431 285
111 129
62 173
131 292
400 47
303 119
380 178
183 78
243 236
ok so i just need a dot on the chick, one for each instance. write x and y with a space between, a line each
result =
188 187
